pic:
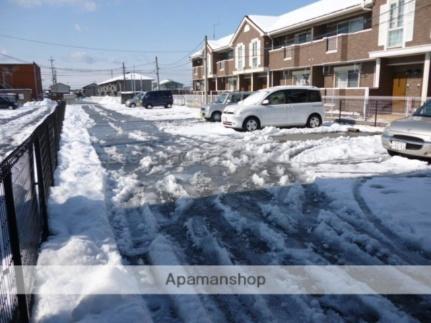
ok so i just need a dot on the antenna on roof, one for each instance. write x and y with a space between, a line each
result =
214 30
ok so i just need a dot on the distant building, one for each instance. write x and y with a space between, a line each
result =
169 85
22 77
90 90
60 88
133 82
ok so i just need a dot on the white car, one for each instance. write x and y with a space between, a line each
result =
281 106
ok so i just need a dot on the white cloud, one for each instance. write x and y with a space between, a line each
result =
88 5
81 57
78 27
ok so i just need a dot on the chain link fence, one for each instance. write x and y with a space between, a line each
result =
25 177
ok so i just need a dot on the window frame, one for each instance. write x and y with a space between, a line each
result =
396 24
345 71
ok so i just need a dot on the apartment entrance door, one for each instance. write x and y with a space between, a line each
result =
399 89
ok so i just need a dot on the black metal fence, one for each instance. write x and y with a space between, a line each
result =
25 178
372 110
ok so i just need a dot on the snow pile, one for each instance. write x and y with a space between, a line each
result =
81 236
157 113
40 104
17 125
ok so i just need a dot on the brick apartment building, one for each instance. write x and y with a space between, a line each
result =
22 76
349 47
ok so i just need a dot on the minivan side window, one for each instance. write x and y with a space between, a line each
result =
314 96
297 96
277 98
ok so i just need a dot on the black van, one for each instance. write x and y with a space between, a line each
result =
158 98
7 103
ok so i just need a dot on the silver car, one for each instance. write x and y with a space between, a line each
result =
213 111
410 136
135 101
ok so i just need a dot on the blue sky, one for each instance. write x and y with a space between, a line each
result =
170 29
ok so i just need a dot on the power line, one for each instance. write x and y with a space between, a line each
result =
43 42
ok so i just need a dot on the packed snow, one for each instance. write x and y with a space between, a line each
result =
80 235
178 190
17 125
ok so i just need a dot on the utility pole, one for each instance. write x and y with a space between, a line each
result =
158 73
206 69
134 79
53 72
124 77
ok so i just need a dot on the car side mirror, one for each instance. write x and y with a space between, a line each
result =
265 102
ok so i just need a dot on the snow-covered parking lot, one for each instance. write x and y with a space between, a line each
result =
179 190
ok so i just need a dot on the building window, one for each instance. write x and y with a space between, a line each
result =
255 53
240 57
396 23
303 37
347 77
301 77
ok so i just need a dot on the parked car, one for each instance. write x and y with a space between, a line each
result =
6 103
410 136
135 101
280 106
157 98
213 111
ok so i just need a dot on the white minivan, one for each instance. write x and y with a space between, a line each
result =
280 106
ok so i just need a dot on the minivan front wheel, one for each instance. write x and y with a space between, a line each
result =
314 121
148 106
168 106
251 124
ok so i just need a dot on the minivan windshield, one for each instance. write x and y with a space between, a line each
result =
424 111
221 98
255 98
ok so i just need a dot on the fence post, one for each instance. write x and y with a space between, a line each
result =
375 113
41 187
23 309
340 108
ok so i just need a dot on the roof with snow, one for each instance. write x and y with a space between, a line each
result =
216 44
129 77
313 12
169 81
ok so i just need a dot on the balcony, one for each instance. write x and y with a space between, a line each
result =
198 72
336 49
225 67
283 57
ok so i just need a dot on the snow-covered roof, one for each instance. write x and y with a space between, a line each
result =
216 44
168 81
129 76
314 11
220 43
265 23
305 15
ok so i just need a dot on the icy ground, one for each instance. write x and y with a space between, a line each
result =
182 191
17 125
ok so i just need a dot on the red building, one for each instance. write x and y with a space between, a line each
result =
22 76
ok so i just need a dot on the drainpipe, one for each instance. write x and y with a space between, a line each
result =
426 77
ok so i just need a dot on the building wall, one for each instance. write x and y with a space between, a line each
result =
22 76
353 48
